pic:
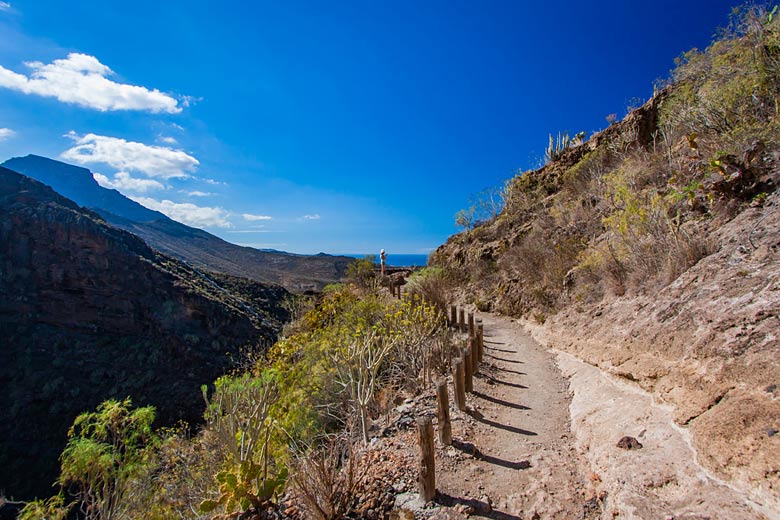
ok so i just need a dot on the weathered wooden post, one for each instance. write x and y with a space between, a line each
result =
467 367
474 345
444 426
427 478
471 325
462 320
480 339
459 383
453 317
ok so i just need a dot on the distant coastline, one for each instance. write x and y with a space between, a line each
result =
396 260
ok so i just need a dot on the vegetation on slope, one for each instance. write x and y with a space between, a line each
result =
279 426
632 208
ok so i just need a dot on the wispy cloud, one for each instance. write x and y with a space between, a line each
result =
167 139
123 181
214 182
187 213
247 231
315 216
252 218
6 133
153 161
4 6
197 193
82 80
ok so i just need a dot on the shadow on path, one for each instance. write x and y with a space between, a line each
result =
481 418
506 383
501 401
470 449
498 349
509 371
480 508
503 359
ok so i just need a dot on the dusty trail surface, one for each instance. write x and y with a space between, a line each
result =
513 455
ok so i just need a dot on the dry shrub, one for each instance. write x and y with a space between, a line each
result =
326 481
433 285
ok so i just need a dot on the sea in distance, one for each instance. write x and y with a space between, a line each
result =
398 260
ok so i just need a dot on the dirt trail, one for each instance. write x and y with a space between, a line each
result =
513 449
539 441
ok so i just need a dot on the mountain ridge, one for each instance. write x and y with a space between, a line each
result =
299 273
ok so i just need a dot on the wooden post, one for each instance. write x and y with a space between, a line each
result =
474 345
467 366
480 340
471 324
459 383
453 317
427 478
444 426
462 320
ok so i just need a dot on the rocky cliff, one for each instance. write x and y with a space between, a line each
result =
89 312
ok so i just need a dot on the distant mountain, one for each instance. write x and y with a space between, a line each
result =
197 247
78 184
89 312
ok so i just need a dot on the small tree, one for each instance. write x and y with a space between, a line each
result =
239 412
106 449
357 362
362 274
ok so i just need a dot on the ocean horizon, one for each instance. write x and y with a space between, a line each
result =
396 260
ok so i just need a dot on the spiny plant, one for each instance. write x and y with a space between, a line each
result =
557 146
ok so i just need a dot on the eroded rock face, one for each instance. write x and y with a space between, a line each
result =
89 312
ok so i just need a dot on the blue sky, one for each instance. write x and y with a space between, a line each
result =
342 127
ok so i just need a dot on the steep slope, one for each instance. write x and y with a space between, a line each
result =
197 247
651 251
89 312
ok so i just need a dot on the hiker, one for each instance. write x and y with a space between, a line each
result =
383 260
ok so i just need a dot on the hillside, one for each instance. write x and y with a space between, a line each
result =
199 248
90 312
651 251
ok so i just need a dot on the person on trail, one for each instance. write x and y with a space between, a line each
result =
383 260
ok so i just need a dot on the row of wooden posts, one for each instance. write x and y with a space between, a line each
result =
464 367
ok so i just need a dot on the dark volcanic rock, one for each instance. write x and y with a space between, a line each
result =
89 312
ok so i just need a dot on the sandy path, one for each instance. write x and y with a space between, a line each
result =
525 463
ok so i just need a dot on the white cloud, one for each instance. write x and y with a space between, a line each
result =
252 218
311 217
167 139
4 6
187 213
197 193
153 161
240 231
123 181
214 182
6 133
82 80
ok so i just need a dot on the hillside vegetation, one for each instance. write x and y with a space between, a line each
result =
281 432
651 249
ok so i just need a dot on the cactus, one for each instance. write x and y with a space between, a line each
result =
557 146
